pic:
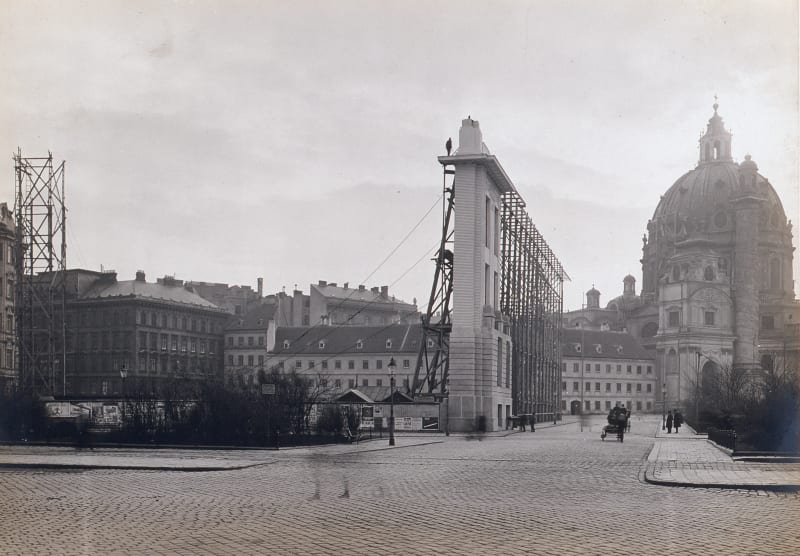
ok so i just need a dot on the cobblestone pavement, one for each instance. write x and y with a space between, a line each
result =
554 491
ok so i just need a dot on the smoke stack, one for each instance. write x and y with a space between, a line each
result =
384 292
260 287
140 276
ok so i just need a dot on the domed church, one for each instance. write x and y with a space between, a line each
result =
717 288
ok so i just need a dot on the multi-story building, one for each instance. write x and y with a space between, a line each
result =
155 332
601 369
8 360
246 342
336 357
236 300
329 303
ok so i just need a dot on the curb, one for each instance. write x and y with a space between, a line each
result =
771 488
89 466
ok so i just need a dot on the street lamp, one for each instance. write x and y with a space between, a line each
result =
663 406
392 367
555 404
123 374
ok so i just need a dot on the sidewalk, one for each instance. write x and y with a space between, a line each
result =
691 460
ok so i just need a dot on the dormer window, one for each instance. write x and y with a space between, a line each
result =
260 322
430 342
360 344
578 348
619 349
598 348
286 344
389 343
322 344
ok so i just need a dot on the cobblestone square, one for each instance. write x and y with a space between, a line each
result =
557 490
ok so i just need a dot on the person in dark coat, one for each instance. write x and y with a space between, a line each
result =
677 420
669 421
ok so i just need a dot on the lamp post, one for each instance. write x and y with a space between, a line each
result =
123 374
392 367
663 406
555 405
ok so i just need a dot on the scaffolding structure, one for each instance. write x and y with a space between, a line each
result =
41 261
433 360
531 297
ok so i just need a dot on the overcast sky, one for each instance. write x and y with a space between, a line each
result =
222 141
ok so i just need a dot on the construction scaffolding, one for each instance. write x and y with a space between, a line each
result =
531 297
433 361
40 262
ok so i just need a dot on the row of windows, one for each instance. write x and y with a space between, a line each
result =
321 344
174 322
597 366
312 364
587 404
251 341
674 318
338 382
587 386
9 249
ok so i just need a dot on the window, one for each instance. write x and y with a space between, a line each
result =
193 346
619 369
351 364
496 230
575 367
360 344
619 387
638 406
627 386
486 284
649 406
638 387
597 387
630 369
202 347
249 340
379 364
608 405
240 360
587 386
708 318
163 342
378 382
323 364
286 344
365 364
337 364
406 364
240 341
588 405
597 367
261 361
499 361
311 364
674 318
230 359
184 344
337 383
389 343
364 382
608 387
638 369
649 369
768 322
588 367
230 341
261 340
575 387
297 364
608 369
174 342
351 382
250 360
597 405
649 387
487 222
563 368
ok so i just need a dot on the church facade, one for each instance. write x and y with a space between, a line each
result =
717 283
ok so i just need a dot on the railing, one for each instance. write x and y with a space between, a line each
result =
725 438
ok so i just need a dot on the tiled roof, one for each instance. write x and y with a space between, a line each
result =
144 290
256 318
404 338
602 344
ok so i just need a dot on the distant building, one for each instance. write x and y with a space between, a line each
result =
246 342
601 369
331 304
235 300
342 357
157 332
8 278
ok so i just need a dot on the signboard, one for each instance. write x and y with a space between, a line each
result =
268 389
378 411
430 423
367 423
65 410
367 412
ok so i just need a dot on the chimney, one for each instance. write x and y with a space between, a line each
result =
260 287
332 284
361 287
140 276
346 284
384 292
322 283
470 139
375 290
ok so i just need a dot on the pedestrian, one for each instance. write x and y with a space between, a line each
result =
669 421
628 421
677 420
622 423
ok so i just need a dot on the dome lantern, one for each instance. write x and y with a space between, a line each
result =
715 145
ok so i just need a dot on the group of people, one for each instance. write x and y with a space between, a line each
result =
674 419
620 418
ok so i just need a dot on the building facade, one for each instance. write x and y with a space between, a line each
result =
602 369
8 279
247 343
157 333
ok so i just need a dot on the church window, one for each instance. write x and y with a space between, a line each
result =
708 274
775 274
708 319
674 318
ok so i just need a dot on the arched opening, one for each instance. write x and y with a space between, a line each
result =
708 274
672 361
709 381
716 150
708 152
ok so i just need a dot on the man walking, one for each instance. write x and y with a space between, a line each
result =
677 420
669 421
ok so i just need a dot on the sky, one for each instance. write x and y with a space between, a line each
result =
297 141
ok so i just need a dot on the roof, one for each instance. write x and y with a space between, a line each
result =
355 294
256 318
612 345
404 338
373 394
143 290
